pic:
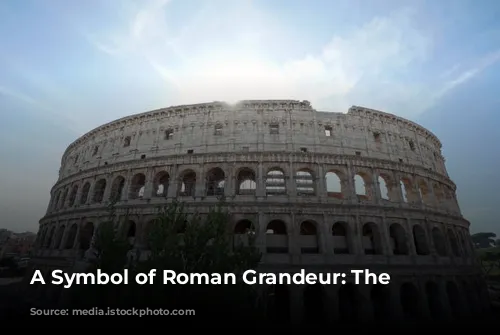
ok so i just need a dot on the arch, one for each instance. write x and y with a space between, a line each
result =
160 184
130 231
420 240
99 188
305 183
246 182
360 186
276 237
117 189
59 237
278 304
472 300
85 193
423 190
439 242
398 239
407 190
49 237
410 301
309 243
348 299
433 293
56 202
340 234
72 195
187 185
243 230
438 193
71 237
333 183
275 182
372 241
383 184
147 231
454 299
380 296
63 198
86 234
215 181
137 184
453 243
314 305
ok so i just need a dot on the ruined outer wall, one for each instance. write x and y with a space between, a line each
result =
245 127
415 231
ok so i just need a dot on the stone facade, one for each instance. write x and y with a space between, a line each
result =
323 191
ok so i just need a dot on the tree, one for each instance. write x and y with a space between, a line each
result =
185 244
497 242
484 240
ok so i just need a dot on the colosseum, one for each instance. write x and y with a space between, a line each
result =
324 191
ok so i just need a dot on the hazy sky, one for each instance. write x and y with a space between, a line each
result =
67 66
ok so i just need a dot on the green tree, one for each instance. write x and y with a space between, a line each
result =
484 240
183 243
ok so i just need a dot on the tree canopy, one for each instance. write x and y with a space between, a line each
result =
484 239
183 243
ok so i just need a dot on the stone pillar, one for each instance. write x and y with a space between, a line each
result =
148 187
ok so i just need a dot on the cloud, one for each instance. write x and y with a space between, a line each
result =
235 57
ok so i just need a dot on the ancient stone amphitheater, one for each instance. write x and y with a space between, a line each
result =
325 192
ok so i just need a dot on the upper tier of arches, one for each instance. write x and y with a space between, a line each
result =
244 181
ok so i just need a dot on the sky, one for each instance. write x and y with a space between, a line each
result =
68 66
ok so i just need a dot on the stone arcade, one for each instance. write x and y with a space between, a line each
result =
326 192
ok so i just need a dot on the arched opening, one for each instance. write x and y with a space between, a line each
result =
314 307
424 193
381 302
420 240
334 185
383 183
454 299
246 184
436 307
215 182
243 231
275 182
453 243
99 188
361 187
72 196
187 185
276 237
278 304
372 242
160 184
63 199
348 304
86 235
304 183
410 301
398 240
439 242
309 238
137 184
130 231
340 238
438 194
408 191
49 238
117 189
85 194
70 239
59 236
56 201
